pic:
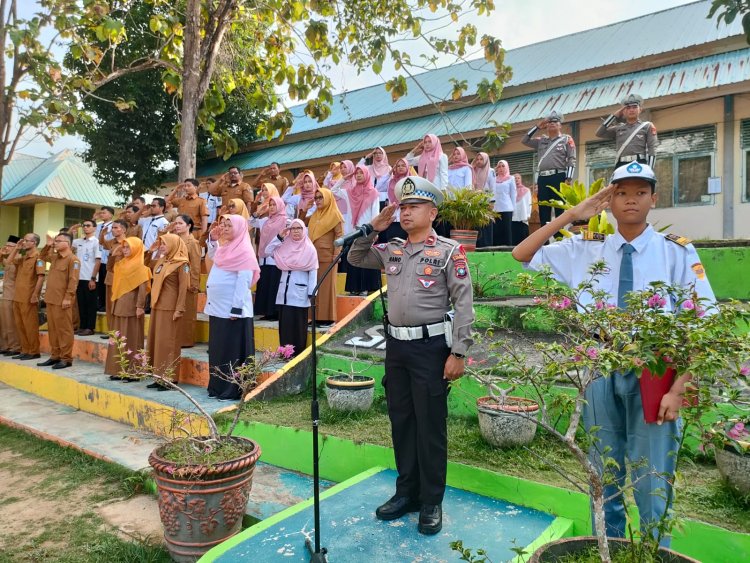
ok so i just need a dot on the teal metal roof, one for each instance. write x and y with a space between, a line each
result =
660 32
63 176
709 72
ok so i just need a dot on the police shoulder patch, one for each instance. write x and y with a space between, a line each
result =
380 246
186 268
76 265
591 235
678 239
40 263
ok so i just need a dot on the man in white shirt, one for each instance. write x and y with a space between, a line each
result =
213 202
156 222
103 233
88 251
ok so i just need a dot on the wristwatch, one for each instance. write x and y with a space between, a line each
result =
459 356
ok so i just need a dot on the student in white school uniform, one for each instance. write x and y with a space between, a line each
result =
430 161
269 273
636 256
460 172
296 257
505 203
522 212
484 180
380 172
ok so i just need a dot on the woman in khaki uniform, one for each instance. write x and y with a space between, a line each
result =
130 285
325 225
183 226
170 286
119 231
10 345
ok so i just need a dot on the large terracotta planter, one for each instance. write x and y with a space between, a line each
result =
351 394
467 238
735 468
569 547
511 424
201 506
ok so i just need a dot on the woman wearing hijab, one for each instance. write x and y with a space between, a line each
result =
333 175
168 294
229 306
265 194
505 203
130 285
521 213
430 161
380 172
460 172
296 257
326 224
362 204
182 226
400 171
238 207
265 293
308 189
484 180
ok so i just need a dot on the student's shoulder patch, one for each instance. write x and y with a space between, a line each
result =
678 239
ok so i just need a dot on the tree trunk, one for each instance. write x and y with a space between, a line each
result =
191 97
600 528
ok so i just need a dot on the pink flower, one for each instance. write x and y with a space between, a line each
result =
286 352
668 359
700 311
688 305
592 353
560 304
656 301
638 362
738 431
745 371
470 361
117 334
577 358
600 305
536 300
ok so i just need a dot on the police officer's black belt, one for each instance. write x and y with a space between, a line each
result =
416 332
550 172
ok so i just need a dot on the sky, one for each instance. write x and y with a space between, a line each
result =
516 22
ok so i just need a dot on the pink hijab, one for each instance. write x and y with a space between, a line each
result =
347 167
381 168
296 255
308 195
273 226
395 179
428 161
361 195
237 255
507 175
521 190
462 162
480 174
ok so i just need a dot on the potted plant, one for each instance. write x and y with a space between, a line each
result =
203 476
731 439
571 195
349 392
466 210
597 339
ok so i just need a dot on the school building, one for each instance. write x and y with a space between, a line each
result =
693 75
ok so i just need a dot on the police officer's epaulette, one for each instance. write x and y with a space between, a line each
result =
593 235
678 239
396 240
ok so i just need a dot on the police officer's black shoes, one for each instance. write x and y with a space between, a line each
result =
396 507
430 519
62 365
50 362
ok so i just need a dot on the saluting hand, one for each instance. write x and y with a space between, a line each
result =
593 205
384 219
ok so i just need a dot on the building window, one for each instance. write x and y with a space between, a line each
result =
523 163
683 165
745 146
75 215
25 220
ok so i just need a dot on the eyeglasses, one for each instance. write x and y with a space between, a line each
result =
88 225
232 205
318 198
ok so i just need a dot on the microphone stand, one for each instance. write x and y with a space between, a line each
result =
318 554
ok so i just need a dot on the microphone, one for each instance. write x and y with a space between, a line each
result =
347 240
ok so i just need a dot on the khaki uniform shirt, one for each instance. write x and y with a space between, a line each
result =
562 157
226 192
195 208
63 276
279 181
424 279
29 267
643 143
9 282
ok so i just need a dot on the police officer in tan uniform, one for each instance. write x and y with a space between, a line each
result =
60 298
9 343
427 274
635 140
29 279
556 159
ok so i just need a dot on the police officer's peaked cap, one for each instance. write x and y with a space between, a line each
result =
632 99
634 170
415 189
555 116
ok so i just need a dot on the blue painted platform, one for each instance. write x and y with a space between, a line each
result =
351 532
276 489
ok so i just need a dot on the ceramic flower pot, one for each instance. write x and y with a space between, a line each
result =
467 238
200 505
512 423
735 468
566 549
345 393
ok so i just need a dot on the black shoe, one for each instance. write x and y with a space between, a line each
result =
30 356
153 385
396 507
62 365
104 336
50 362
163 388
19 356
11 353
430 519
3 352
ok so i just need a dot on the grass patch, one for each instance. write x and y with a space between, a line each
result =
186 451
701 494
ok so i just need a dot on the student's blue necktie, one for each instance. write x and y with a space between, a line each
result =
625 284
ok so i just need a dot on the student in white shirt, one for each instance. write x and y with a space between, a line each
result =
505 203
522 212
484 180
430 161
460 172
88 251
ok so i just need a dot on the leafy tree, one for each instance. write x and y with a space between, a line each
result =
728 10
273 50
